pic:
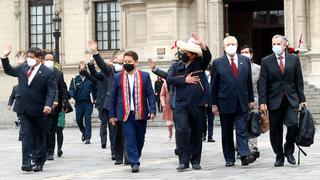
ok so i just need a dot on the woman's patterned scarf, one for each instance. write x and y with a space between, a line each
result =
137 95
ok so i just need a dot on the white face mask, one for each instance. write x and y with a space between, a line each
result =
117 67
49 64
231 50
31 62
276 49
247 55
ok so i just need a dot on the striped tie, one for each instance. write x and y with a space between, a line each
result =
281 65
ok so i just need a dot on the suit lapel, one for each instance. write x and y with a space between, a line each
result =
36 77
228 66
240 64
287 63
276 64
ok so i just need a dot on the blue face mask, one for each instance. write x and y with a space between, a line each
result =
276 49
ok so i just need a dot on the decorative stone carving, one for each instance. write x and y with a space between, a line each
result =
17 7
57 6
86 5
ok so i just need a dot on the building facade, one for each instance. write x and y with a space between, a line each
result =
151 26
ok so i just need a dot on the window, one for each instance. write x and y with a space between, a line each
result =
273 18
40 24
107 25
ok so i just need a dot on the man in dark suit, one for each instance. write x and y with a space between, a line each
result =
280 92
189 79
232 93
37 88
15 94
157 89
52 118
133 102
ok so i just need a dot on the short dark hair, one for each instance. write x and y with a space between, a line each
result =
247 46
133 54
36 51
50 53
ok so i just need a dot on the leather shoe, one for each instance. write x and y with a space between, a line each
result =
196 166
103 146
83 138
211 140
60 153
182 167
246 160
255 154
229 164
87 142
291 159
126 162
117 162
279 162
27 168
135 169
38 168
113 157
50 157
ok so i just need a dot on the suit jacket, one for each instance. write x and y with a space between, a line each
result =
14 94
41 91
161 73
228 90
62 95
273 86
190 95
116 104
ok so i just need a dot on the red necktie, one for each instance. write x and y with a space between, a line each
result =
30 72
281 65
234 68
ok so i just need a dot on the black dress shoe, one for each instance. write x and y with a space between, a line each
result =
83 138
50 157
103 146
38 168
211 140
229 164
87 141
60 152
117 162
279 162
182 167
291 159
135 169
27 168
255 154
113 157
196 166
246 160
126 162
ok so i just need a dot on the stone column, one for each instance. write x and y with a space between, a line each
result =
314 26
17 13
300 25
288 20
215 27
201 20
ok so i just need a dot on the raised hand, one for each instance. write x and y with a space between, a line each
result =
22 57
197 40
152 64
6 52
94 46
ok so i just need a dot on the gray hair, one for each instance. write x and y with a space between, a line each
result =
283 38
229 37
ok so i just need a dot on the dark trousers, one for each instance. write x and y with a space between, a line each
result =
208 125
160 109
104 119
84 110
228 122
120 144
189 125
53 129
34 129
288 115
135 131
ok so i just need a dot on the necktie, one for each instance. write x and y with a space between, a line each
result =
234 68
281 65
30 72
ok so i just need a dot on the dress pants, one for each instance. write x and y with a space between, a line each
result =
120 144
288 115
135 131
104 119
228 122
34 129
53 129
84 110
208 125
189 126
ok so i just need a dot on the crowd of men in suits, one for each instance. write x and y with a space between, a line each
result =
125 100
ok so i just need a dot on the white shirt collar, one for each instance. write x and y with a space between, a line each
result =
235 59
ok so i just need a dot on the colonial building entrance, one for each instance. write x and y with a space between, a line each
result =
254 22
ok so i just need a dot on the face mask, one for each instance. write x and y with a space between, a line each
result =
183 57
128 67
276 49
117 67
231 50
247 55
31 62
49 64
82 73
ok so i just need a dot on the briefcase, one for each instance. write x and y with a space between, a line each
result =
264 122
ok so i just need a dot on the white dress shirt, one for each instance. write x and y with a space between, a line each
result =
33 74
283 60
235 59
131 84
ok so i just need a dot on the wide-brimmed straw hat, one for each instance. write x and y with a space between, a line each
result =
190 46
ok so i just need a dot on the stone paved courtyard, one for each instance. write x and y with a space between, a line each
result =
158 161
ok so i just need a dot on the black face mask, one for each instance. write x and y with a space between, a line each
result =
128 67
82 73
183 56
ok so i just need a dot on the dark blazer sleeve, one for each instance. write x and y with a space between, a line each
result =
249 82
299 81
51 90
12 96
262 82
94 72
8 69
161 73
150 95
206 58
106 69
171 79
214 82
91 78
113 98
